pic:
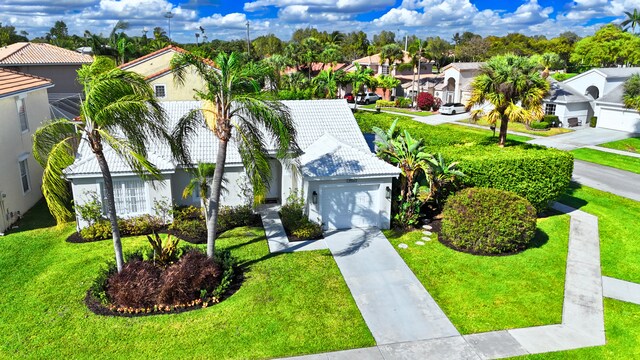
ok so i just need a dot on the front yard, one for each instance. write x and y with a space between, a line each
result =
289 304
630 145
522 128
622 162
486 293
399 110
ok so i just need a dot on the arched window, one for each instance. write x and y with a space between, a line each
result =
593 91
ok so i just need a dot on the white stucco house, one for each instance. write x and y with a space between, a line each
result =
597 92
344 184
456 87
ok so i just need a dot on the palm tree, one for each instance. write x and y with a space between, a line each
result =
391 53
514 86
632 20
234 107
119 111
361 76
201 177
325 84
387 82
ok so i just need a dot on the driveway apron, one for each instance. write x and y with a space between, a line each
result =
393 303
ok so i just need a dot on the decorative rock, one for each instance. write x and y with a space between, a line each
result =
428 233
421 243
426 238
403 246
427 227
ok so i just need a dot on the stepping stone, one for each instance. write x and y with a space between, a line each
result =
421 243
426 238
427 227
403 246
428 233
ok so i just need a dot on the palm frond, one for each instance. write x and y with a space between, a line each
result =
128 153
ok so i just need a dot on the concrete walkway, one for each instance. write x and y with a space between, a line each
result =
605 178
614 151
621 290
359 253
393 302
580 138
277 237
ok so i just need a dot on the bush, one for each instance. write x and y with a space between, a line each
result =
437 102
140 225
90 211
295 222
194 230
307 230
425 101
553 120
488 221
189 221
593 122
385 103
540 125
98 231
233 217
306 94
403 102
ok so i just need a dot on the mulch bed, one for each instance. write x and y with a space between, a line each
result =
98 308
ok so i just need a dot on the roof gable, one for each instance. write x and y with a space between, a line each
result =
157 53
27 53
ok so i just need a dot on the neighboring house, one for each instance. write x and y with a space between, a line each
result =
382 67
427 83
24 106
456 86
344 184
316 67
51 62
156 68
597 92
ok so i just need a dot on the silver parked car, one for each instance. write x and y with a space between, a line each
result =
452 108
367 98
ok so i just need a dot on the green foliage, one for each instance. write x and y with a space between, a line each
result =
164 254
231 217
385 103
593 122
294 220
98 231
190 222
307 230
631 95
403 102
295 94
488 221
90 211
553 120
609 46
540 125
425 101
563 76
140 225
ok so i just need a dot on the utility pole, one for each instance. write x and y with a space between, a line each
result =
248 41
169 15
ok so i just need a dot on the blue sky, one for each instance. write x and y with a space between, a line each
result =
225 19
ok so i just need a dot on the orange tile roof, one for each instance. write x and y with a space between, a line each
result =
13 82
26 53
158 52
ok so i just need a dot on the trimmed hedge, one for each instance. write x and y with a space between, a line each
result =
593 122
488 221
540 125
553 120
385 103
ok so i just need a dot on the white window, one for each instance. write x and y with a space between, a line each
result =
130 197
22 115
550 109
385 69
161 91
24 175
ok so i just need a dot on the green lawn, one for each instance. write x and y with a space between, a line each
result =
618 220
289 304
627 163
622 326
399 110
485 293
520 127
630 145
486 132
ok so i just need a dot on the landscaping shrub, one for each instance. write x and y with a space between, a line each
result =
425 101
385 103
189 221
593 122
553 120
488 221
437 102
403 102
295 222
307 230
90 211
183 281
232 217
98 231
540 125
136 285
140 225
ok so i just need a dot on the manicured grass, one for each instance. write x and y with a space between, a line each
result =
289 304
618 220
399 110
630 145
627 163
520 127
485 293
622 326
486 132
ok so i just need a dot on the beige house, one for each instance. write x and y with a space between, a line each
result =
24 106
456 87
156 68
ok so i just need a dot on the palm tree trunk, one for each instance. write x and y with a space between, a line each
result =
111 208
504 124
214 199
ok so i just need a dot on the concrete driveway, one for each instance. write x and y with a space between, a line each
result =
581 138
393 303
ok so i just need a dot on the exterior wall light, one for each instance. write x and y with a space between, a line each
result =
314 197
387 193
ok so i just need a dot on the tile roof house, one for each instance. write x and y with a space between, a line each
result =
597 92
456 86
156 68
344 184
24 106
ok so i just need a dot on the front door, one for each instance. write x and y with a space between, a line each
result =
273 194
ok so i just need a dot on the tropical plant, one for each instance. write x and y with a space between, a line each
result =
234 107
549 61
119 112
632 20
387 83
164 254
391 54
201 177
325 85
441 176
514 86
631 92
360 77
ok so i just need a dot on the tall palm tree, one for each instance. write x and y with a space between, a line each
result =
632 20
234 107
387 82
391 53
119 111
325 84
514 86
360 77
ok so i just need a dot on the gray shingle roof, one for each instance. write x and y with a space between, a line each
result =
312 118
623 72
614 96
560 92
329 157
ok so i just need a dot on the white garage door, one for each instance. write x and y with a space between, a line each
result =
619 119
344 207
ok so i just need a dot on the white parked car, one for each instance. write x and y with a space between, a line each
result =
452 108
367 98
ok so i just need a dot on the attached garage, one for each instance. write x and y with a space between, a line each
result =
619 118
348 206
